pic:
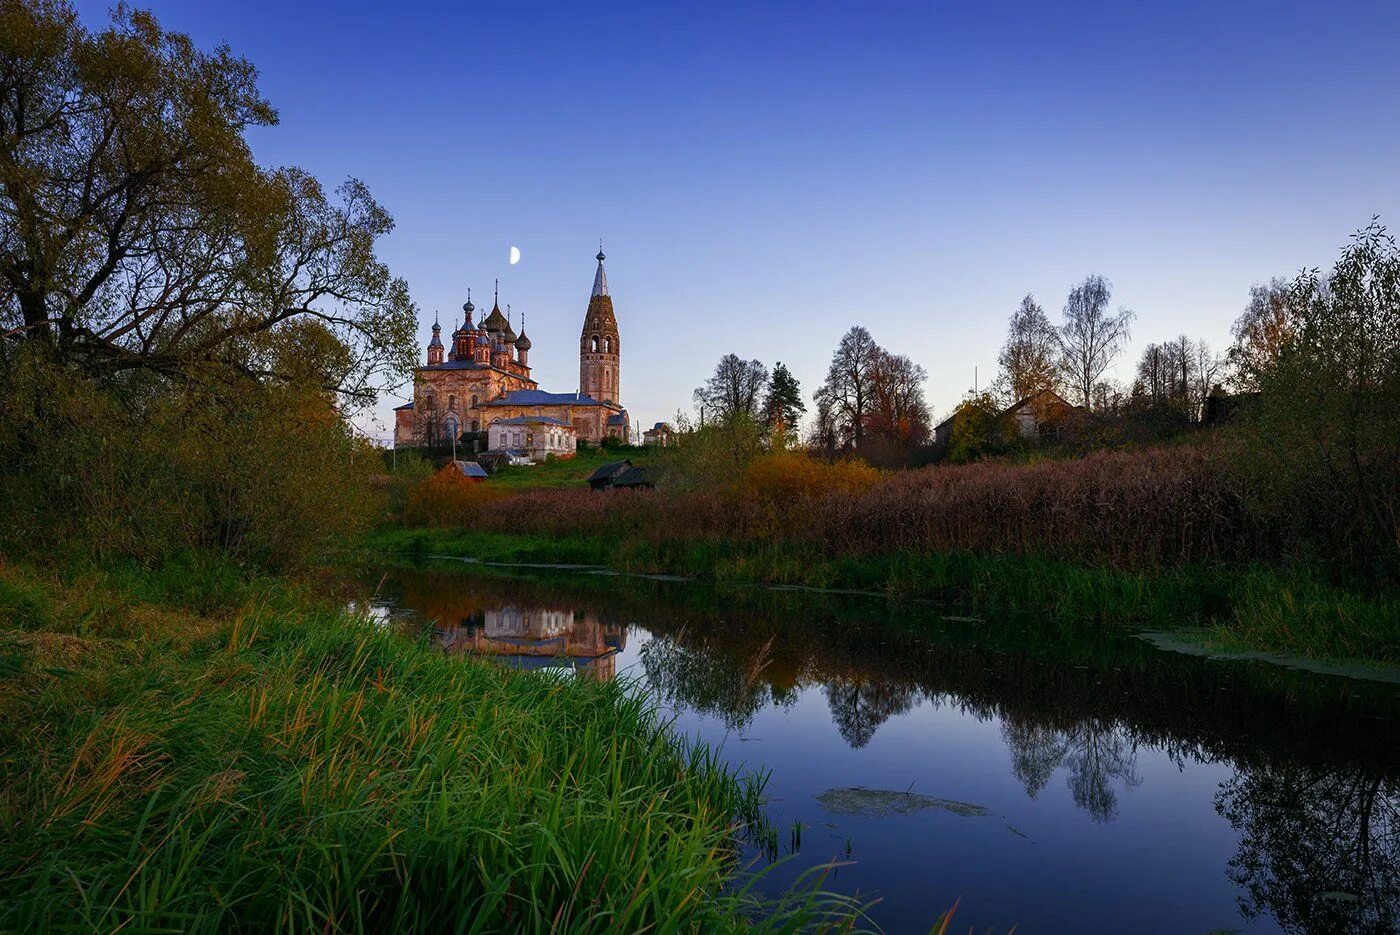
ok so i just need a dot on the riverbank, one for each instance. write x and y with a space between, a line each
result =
193 750
1281 609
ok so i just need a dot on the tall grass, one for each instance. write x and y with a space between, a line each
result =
288 766
1160 537
1124 509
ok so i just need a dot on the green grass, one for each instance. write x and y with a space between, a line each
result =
1287 609
278 764
565 472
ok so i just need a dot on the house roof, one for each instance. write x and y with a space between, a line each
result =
533 420
610 469
542 398
661 427
637 476
618 418
407 405
469 468
1053 397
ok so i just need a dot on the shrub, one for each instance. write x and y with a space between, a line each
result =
1323 456
448 499
148 468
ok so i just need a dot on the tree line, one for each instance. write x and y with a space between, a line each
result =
871 402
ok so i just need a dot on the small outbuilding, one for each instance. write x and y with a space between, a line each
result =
639 477
468 469
602 478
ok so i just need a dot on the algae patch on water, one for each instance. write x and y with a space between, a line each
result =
883 803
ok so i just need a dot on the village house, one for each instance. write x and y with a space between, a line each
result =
1044 415
659 435
1041 416
484 377
534 437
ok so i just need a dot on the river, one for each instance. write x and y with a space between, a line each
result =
1032 774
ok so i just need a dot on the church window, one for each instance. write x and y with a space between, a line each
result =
474 400
476 425
607 345
452 403
595 344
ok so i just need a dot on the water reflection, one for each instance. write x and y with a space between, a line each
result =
523 636
1319 848
1309 793
859 705
1097 756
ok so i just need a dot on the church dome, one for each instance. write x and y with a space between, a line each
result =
496 322
522 343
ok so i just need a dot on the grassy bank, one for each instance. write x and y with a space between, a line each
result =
564 472
1283 609
191 751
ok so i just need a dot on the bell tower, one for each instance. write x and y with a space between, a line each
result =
600 351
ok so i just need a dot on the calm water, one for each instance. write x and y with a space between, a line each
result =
1037 778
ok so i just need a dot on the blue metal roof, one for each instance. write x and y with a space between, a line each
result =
542 398
470 469
530 420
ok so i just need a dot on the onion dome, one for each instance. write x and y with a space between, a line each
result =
495 322
437 335
467 309
522 343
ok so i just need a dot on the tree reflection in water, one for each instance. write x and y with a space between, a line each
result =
1319 848
1314 795
709 684
859 706
1095 753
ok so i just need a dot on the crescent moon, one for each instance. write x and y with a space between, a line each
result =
514 255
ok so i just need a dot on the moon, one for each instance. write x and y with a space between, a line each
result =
514 255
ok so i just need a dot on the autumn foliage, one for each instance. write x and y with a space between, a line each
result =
1152 508
448 499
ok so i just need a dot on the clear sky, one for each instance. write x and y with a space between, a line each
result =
766 175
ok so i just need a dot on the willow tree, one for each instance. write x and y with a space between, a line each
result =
138 233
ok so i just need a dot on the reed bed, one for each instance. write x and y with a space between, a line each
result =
1132 510
292 767
1163 537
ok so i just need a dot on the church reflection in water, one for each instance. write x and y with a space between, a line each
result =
522 636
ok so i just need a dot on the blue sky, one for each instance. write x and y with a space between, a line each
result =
766 175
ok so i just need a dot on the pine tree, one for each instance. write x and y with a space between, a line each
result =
783 406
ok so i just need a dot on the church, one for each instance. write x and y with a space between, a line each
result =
484 378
